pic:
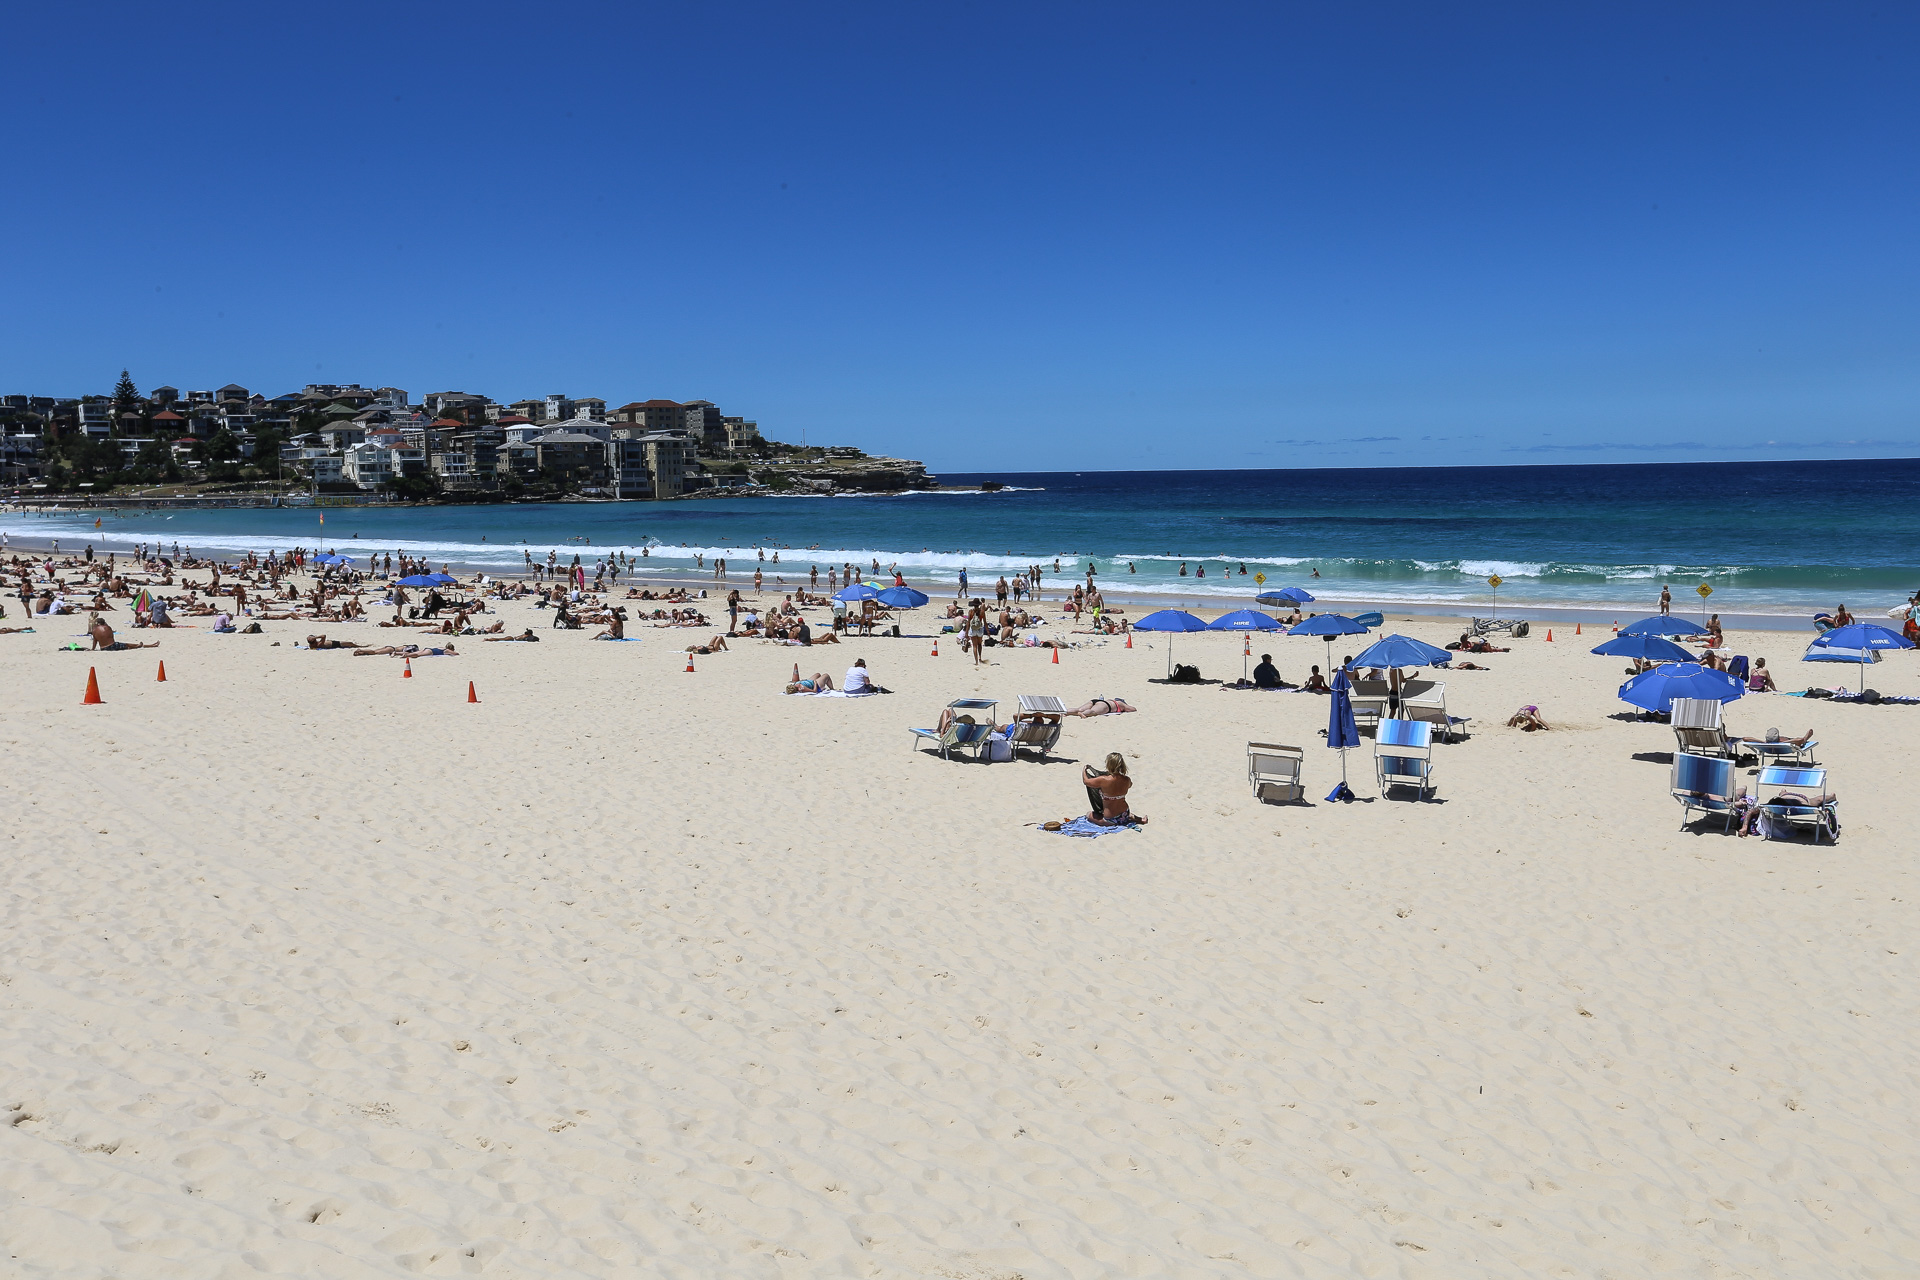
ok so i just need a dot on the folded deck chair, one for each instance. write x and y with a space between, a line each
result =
960 736
1403 755
1779 786
1705 783
1274 771
1697 729
1369 701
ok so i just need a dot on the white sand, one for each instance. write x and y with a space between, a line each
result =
311 970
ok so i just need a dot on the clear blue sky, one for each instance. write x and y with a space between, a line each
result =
999 236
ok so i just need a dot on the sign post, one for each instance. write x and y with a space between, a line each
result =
1495 582
1704 591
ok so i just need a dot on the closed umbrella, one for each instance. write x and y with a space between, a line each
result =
1648 648
1855 642
1655 690
1174 620
1342 732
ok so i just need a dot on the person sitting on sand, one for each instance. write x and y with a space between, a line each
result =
1474 644
1102 707
1527 718
103 637
525 637
321 642
616 626
1316 683
1760 680
818 682
1266 675
1111 788
714 645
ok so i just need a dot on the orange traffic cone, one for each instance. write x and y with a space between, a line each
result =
1616 626
936 646
689 662
1576 628
93 697
1549 635
407 672
1129 639
1056 656
162 677
471 695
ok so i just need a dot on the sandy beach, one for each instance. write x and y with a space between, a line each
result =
310 969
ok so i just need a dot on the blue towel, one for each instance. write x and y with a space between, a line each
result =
1081 826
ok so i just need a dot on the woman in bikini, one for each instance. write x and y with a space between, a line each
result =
819 682
1111 789
1101 707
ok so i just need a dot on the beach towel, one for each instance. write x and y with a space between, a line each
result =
1083 826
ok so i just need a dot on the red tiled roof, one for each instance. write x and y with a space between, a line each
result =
515 420
168 415
659 404
447 422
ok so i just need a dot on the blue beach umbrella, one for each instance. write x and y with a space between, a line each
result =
1655 690
902 598
1286 595
328 558
1245 620
1663 625
1855 642
1175 620
418 580
1648 647
858 591
1342 732
1327 626
1401 651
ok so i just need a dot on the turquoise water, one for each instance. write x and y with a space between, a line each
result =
1768 537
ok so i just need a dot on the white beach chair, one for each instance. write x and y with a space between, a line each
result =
1403 755
1274 772
1697 729
1427 700
1369 702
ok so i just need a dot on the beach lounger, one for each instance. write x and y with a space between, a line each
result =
1403 755
1037 736
1427 700
1775 779
1369 702
1697 729
1274 772
960 736
1705 783
1798 753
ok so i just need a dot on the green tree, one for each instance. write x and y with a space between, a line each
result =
126 397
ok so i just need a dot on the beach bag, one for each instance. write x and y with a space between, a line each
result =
1184 674
999 749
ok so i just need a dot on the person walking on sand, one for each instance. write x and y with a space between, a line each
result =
1666 602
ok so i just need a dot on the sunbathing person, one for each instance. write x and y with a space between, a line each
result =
103 637
818 682
1773 738
1112 788
714 645
1101 707
13 631
1527 718
1760 680
1475 644
406 651
525 637
1316 683
321 642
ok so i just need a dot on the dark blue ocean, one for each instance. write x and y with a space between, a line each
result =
1766 536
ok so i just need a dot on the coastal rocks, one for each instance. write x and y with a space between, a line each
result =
863 475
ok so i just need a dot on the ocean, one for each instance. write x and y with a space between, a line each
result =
1767 537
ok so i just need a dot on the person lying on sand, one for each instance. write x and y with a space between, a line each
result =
321 642
103 637
714 645
1475 644
1469 666
818 682
1527 718
526 637
13 631
1101 707
406 651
